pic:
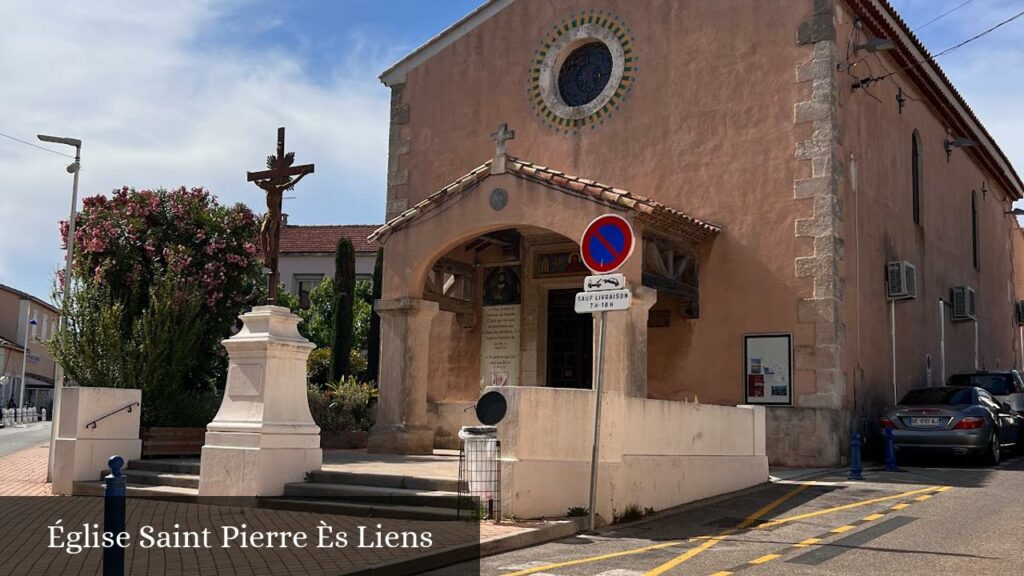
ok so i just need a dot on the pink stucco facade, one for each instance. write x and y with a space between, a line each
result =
736 116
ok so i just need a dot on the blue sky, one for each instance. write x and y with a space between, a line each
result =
190 93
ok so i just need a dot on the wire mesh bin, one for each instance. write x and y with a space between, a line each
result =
480 473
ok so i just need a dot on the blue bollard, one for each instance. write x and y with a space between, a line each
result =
890 452
855 466
114 515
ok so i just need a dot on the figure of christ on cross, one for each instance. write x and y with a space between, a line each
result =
279 176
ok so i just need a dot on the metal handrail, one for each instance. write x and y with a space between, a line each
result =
128 408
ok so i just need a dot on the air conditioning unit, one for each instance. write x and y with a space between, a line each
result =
963 303
1018 312
900 281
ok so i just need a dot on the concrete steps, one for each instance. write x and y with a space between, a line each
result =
366 510
325 491
374 496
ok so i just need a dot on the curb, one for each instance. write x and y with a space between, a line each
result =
468 553
815 474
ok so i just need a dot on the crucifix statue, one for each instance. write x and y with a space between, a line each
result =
280 176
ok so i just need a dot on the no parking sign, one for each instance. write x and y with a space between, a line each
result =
607 243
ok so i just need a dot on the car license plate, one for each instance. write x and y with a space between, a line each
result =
926 421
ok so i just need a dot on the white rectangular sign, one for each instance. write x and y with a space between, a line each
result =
587 302
604 282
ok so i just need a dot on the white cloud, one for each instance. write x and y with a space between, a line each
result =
158 101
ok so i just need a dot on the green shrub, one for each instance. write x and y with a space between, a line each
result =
345 406
577 511
632 513
318 367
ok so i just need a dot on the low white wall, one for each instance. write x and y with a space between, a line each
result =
80 451
654 453
446 418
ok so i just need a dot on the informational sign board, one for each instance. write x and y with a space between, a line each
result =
588 302
768 369
607 243
604 282
499 346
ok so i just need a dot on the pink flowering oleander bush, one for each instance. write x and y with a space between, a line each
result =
132 240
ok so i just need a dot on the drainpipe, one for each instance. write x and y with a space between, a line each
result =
942 338
892 332
1021 330
975 344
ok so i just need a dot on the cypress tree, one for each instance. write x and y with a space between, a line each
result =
373 337
344 293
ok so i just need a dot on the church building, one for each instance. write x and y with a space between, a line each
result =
822 222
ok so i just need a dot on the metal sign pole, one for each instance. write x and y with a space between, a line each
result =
598 378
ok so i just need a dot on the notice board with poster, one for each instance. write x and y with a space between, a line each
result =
768 369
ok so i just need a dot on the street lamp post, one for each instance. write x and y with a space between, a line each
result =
29 328
58 381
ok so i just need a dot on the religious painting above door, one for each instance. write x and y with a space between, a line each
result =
558 263
584 68
768 369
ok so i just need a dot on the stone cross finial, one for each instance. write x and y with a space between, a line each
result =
500 138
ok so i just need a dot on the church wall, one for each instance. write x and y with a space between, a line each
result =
708 129
879 227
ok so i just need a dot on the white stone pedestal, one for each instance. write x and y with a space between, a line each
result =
263 436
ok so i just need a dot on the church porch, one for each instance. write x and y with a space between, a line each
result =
479 281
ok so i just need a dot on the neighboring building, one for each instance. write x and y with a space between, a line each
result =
770 181
307 255
17 311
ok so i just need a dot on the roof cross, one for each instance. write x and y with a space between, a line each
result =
500 138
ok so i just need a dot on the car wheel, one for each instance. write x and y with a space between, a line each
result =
994 451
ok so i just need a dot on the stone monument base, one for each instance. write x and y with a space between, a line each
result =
235 464
263 436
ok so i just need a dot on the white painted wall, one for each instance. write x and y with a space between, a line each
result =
81 452
654 453
291 264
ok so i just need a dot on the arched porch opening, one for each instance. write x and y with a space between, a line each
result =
505 318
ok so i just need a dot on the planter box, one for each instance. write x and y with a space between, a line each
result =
160 441
343 440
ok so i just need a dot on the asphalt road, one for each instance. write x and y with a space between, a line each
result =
930 519
13 438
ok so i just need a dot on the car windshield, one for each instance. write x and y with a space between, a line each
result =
938 396
998 384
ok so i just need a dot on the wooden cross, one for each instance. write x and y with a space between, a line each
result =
279 176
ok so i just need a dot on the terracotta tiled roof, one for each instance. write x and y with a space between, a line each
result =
324 239
647 210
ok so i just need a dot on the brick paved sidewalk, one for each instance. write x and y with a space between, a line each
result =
24 473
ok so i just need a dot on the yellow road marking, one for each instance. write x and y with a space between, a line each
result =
721 536
899 506
765 558
806 543
594 558
722 573
841 529
923 498
843 507
710 541
873 517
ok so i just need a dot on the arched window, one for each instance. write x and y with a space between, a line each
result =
974 228
915 174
